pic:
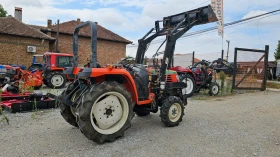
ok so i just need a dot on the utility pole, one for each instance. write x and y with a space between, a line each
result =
228 41
57 38
193 58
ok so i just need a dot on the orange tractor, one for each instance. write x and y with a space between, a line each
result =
102 100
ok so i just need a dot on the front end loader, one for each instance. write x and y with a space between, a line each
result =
102 101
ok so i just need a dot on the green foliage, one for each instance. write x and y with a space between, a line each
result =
273 85
222 77
3 13
277 51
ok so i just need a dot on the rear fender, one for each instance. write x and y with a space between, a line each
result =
121 76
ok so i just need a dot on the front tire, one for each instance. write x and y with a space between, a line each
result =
214 89
172 111
105 113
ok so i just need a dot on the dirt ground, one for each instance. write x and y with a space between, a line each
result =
240 125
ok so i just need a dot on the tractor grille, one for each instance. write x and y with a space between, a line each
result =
168 78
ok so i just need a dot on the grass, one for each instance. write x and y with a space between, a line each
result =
273 85
33 116
222 87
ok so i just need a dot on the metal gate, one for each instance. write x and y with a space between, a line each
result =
250 69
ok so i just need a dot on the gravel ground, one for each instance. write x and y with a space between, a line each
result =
240 125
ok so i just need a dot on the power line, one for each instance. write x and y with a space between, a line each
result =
229 24
234 23
230 32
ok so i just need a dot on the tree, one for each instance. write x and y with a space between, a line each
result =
277 51
3 13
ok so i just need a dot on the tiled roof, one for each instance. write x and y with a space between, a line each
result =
9 25
102 33
196 60
38 27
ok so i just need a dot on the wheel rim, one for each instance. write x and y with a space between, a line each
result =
215 89
74 98
175 112
57 80
109 113
189 87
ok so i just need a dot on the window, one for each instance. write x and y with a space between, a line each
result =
47 60
64 61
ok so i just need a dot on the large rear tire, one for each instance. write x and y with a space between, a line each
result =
56 80
172 111
106 112
189 80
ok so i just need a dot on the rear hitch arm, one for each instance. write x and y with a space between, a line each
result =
62 100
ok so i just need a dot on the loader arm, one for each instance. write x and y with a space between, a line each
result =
173 28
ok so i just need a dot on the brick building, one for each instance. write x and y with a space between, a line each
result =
15 37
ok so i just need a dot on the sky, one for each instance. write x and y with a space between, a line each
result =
132 19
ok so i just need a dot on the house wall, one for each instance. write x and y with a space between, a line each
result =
13 49
183 60
108 52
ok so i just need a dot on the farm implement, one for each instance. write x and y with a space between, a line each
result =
25 102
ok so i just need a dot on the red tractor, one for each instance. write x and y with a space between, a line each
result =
102 100
53 65
197 77
53 69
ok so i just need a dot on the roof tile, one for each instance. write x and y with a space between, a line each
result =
102 33
10 25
